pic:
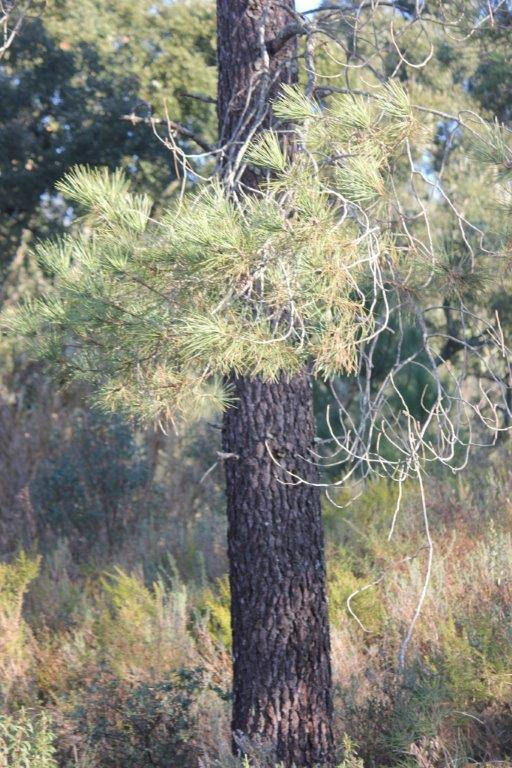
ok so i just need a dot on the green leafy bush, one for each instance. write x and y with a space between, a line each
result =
86 487
142 725
142 629
26 741
215 603
16 653
350 595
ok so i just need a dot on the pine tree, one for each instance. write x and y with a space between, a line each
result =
287 267
235 304
281 647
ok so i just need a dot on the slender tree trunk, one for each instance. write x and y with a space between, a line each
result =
281 653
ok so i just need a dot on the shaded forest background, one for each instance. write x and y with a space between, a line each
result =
114 602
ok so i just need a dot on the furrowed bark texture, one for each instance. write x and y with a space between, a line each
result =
249 78
281 654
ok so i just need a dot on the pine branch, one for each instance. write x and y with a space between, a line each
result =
293 29
182 130
198 97
163 310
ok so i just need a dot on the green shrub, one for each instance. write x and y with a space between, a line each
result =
475 658
26 741
15 637
215 604
367 604
143 630
142 725
85 487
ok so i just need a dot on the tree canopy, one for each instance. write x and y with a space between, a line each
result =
75 72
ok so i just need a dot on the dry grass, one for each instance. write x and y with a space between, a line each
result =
102 629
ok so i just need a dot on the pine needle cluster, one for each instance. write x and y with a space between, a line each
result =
159 314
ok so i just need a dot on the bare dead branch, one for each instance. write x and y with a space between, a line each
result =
178 128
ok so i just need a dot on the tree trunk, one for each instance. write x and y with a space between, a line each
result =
281 653
281 659
249 78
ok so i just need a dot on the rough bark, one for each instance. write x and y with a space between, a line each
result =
249 76
281 654
281 658
241 59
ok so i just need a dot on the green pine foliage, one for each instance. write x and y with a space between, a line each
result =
157 313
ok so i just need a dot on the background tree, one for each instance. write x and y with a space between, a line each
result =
72 76
68 80
13 15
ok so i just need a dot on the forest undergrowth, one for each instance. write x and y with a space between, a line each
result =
114 617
